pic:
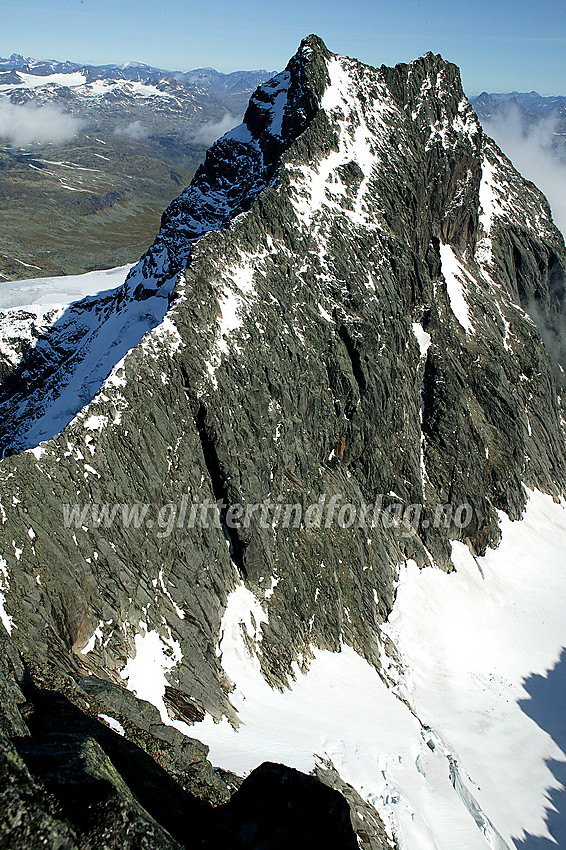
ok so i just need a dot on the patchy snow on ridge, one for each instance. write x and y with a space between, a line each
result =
233 300
6 619
96 635
455 762
278 86
464 123
113 724
490 196
499 185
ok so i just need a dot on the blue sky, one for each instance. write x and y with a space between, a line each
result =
499 46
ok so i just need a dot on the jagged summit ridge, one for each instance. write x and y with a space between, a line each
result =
247 159
244 161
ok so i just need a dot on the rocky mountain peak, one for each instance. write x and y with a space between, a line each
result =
352 305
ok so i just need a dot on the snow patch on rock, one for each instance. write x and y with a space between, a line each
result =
145 673
457 281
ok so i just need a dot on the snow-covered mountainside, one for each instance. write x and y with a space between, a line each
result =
224 488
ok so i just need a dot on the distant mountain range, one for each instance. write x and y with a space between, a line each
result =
530 101
241 82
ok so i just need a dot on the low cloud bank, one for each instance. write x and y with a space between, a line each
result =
133 130
28 124
213 130
534 151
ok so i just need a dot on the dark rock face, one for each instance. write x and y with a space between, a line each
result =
277 807
70 781
351 278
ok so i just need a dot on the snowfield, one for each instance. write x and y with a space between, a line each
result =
448 755
50 292
83 314
29 308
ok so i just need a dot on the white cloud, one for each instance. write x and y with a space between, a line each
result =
27 124
532 150
134 130
212 130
